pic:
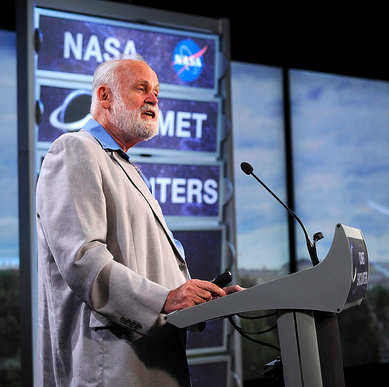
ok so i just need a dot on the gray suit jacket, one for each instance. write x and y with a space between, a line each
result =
106 264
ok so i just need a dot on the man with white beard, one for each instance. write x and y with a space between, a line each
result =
109 267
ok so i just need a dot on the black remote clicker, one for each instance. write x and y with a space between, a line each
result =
222 279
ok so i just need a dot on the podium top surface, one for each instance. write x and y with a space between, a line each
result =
338 282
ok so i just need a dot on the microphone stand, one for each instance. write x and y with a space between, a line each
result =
248 170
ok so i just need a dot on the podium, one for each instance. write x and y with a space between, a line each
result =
307 304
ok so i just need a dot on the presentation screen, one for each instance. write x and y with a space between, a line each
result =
185 126
77 44
183 162
205 254
210 372
185 190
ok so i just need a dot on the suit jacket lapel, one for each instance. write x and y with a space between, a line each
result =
136 179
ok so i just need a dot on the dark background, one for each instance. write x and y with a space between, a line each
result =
339 39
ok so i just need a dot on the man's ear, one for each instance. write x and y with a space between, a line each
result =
104 96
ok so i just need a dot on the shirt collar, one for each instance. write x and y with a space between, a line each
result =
103 137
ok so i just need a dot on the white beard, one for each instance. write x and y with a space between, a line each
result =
130 121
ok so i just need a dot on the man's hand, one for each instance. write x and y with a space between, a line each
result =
233 289
192 292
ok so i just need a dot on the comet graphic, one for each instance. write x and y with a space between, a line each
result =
383 210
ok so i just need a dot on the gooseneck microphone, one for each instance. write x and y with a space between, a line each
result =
249 170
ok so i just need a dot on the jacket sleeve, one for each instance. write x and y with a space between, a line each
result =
72 219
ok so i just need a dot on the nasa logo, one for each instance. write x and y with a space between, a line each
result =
188 60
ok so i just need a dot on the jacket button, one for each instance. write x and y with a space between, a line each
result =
182 266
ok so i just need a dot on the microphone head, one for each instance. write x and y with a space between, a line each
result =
246 168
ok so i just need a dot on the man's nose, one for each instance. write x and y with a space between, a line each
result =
152 99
